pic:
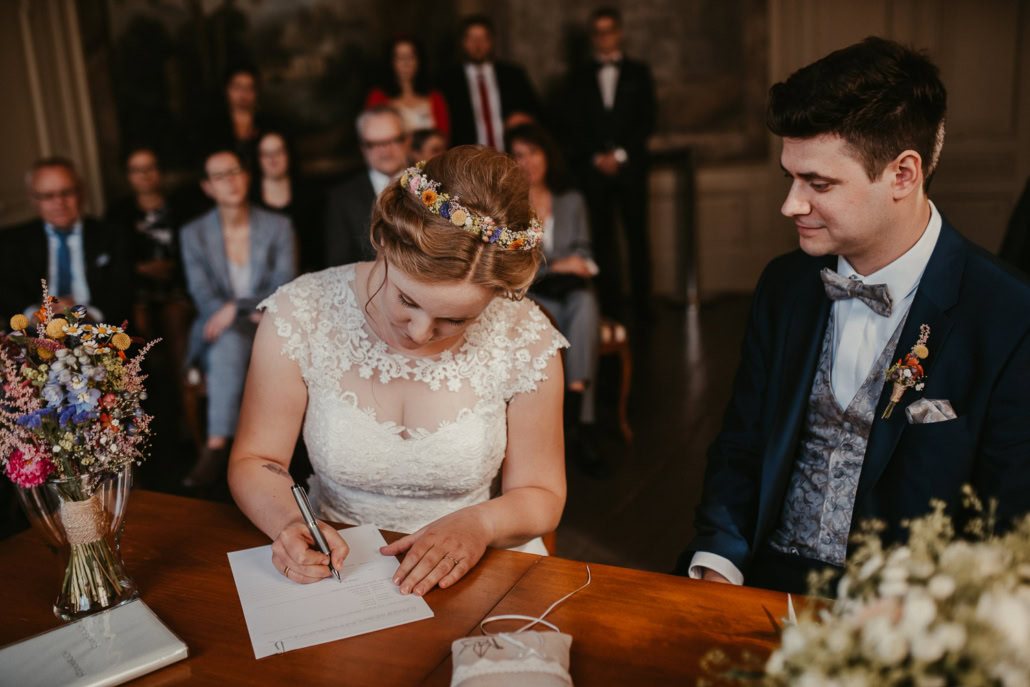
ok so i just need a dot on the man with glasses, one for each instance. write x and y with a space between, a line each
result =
386 149
82 259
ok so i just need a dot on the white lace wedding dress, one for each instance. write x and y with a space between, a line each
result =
399 441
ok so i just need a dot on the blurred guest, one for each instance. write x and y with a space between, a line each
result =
427 144
564 284
82 258
385 148
406 88
235 256
238 123
484 93
609 113
150 222
278 188
1015 248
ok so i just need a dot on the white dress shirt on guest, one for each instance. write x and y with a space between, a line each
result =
77 253
859 337
493 94
608 79
379 180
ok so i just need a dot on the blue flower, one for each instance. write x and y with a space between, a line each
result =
496 235
53 394
83 399
66 415
35 418
445 210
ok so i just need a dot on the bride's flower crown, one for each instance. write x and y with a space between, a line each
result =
439 203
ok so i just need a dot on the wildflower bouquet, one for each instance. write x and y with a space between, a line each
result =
934 612
70 416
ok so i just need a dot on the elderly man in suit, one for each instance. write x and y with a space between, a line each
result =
386 149
83 260
816 439
486 95
234 256
608 116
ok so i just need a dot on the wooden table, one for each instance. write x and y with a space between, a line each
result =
628 626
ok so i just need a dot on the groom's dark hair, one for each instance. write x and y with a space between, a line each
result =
881 97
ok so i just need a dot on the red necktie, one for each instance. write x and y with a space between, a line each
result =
484 109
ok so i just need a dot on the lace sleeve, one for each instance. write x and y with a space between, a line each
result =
532 342
293 306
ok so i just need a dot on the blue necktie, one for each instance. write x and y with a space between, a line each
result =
64 265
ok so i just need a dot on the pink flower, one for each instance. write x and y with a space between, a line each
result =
28 472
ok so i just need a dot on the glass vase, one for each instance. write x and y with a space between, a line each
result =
82 521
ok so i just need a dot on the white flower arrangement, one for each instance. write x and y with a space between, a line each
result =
934 612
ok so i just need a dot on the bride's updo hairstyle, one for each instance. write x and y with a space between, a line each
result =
430 249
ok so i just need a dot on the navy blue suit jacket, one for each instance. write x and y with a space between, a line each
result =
979 317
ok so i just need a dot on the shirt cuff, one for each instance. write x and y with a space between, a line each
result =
723 566
592 267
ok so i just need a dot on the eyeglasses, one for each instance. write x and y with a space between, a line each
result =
50 196
142 169
225 174
372 145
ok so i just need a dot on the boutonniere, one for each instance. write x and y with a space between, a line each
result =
908 373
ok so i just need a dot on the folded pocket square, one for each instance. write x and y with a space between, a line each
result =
929 410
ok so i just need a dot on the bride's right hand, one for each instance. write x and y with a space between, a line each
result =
295 554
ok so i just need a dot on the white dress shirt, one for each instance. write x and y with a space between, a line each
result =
379 180
77 253
608 80
493 94
859 337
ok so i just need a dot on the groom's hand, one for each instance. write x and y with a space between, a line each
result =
713 576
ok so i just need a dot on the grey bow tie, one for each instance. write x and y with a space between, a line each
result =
876 296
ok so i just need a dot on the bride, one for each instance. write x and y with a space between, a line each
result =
429 391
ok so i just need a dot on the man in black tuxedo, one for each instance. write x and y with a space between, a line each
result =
609 113
84 261
348 216
485 95
808 449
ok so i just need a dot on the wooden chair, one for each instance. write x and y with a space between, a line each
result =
615 341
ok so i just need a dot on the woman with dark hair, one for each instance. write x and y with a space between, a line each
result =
278 187
406 88
238 122
428 390
564 284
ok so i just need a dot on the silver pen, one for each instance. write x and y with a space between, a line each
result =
301 498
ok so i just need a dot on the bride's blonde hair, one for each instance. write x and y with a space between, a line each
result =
430 248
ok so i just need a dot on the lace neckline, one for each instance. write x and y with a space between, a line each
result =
371 353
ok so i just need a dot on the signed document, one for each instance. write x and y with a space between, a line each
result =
108 648
283 615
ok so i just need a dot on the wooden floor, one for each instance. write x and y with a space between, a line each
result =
640 516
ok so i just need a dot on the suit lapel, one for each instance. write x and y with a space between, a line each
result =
258 243
800 351
216 251
937 293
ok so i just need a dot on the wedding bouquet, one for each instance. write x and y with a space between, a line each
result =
936 611
70 416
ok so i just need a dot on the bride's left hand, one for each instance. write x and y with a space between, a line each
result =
441 552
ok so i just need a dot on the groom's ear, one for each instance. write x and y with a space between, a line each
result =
905 174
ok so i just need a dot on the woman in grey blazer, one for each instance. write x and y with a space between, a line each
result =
234 256
564 284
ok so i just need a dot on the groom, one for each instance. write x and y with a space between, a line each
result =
805 454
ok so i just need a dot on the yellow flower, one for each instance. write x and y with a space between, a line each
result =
458 218
55 328
121 341
19 322
44 353
428 197
921 351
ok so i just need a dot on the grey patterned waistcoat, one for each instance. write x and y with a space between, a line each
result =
816 517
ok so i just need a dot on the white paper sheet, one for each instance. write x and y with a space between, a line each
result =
283 615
